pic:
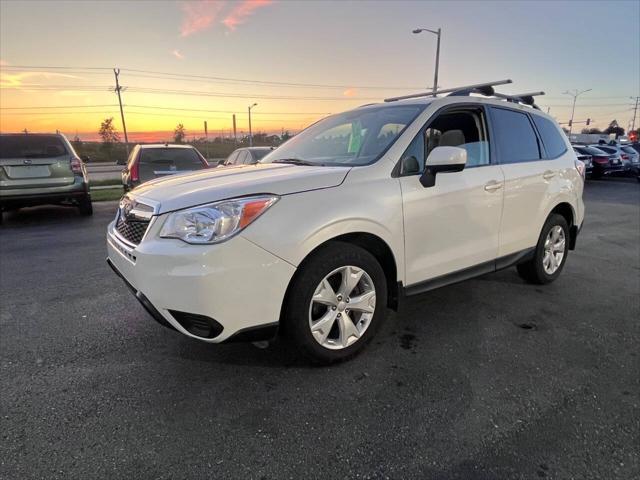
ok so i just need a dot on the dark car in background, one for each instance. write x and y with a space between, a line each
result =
585 158
147 162
39 169
247 156
603 163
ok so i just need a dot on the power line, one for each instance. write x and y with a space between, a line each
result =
155 107
60 106
217 78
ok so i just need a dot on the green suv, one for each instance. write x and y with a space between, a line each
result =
38 169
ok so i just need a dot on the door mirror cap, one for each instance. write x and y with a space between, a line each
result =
85 158
443 159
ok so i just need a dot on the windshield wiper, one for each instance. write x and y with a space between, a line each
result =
297 161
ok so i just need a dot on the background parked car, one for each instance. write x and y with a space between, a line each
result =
247 156
627 154
147 162
586 159
604 162
37 169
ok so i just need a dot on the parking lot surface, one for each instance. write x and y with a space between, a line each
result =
487 379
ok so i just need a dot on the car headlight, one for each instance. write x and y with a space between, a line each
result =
215 222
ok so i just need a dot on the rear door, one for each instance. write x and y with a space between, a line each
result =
530 178
34 161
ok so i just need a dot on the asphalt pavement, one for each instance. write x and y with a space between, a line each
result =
487 379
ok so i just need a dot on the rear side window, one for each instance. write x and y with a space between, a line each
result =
554 144
515 137
31 146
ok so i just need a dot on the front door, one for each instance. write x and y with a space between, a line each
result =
455 224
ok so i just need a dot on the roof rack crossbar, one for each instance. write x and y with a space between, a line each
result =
449 90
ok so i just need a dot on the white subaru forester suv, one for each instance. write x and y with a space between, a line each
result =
346 218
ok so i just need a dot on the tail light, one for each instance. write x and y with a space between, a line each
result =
76 165
133 171
624 156
581 168
601 159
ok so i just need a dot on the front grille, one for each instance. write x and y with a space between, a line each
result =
131 230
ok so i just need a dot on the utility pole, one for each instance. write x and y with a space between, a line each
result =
574 94
206 138
635 112
235 132
116 72
250 135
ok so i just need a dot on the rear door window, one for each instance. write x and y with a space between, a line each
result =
554 144
514 135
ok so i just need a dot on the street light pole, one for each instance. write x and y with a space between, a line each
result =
438 33
574 94
635 112
250 134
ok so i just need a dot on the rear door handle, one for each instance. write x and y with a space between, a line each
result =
548 175
492 186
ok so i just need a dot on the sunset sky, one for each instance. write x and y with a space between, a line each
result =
186 62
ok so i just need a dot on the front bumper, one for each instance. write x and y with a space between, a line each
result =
236 283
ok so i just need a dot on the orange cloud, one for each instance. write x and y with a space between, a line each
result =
241 11
199 15
350 92
176 53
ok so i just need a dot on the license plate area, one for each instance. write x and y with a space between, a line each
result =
28 171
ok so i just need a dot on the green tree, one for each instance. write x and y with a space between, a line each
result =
591 130
179 134
615 129
286 135
109 136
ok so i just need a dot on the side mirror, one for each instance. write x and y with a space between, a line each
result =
440 160
121 162
85 158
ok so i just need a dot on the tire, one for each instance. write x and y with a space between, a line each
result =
84 206
333 263
534 270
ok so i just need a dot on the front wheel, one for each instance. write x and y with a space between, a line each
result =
550 253
336 303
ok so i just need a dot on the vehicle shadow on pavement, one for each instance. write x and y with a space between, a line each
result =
44 215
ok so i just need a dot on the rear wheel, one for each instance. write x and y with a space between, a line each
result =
336 303
84 205
550 254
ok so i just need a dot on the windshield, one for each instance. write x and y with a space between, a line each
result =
31 146
357 137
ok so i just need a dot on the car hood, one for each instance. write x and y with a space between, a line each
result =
186 190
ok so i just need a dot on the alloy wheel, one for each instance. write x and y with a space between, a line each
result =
554 250
342 307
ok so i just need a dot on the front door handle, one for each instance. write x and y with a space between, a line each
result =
492 186
548 175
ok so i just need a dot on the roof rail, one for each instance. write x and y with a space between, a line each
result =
524 98
470 88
